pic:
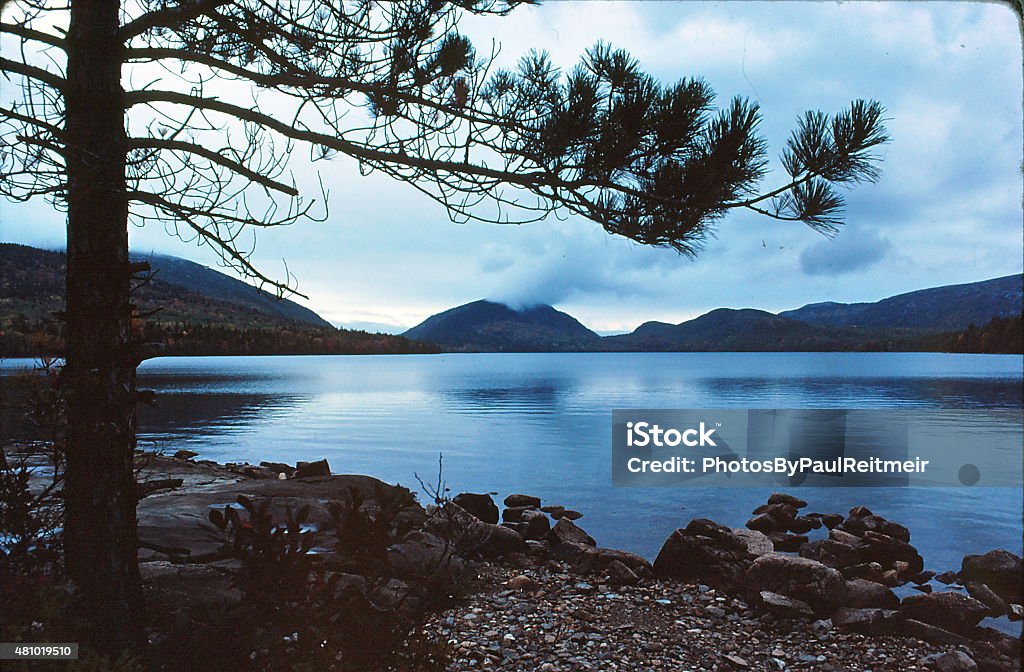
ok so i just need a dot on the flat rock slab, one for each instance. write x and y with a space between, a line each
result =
176 523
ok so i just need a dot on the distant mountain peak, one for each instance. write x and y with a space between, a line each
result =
490 326
950 307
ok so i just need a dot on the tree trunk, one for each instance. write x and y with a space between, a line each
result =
100 529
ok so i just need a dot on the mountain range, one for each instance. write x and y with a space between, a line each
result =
198 311
201 311
930 319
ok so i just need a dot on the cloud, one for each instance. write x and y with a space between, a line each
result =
855 249
565 261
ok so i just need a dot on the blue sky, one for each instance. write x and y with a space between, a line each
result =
947 210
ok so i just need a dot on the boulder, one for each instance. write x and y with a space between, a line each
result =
553 511
618 574
860 524
931 633
946 577
566 530
832 553
955 612
786 607
514 514
780 514
982 593
184 454
951 661
479 505
589 559
570 514
422 555
762 522
787 543
757 542
860 512
865 621
520 528
471 535
783 498
312 469
822 588
522 500
864 594
872 571
803 525
705 551
999 570
500 542
844 537
537 525
886 551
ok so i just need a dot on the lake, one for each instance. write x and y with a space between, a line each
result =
541 424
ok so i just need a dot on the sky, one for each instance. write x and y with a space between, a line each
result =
947 210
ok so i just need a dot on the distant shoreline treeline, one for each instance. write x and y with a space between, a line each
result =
43 337
23 338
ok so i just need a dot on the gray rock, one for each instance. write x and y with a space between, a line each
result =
1000 570
479 505
844 537
763 522
951 661
886 551
931 633
822 588
593 559
522 500
866 621
514 514
783 498
832 553
864 594
985 595
707 552
619 574
537 525
472 535
787 543
950 611
566 530
872 571
422 555
858 525
787 607
758 543
316 469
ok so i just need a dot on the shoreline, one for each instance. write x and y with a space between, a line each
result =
538 575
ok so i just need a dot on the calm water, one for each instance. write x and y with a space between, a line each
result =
540 424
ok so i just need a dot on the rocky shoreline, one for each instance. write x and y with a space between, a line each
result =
540 594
